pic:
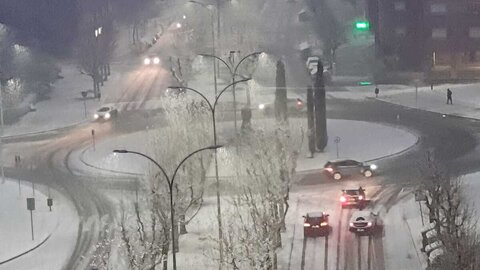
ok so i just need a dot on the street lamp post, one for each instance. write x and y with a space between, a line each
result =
170 187
213 40
212 108
233 74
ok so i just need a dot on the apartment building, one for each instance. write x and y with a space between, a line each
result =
439 37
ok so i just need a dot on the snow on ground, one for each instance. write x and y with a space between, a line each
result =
359 140
383 140
60 226
466 97
402 242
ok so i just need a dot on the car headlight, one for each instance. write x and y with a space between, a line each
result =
369 224
261 106
107 116
351 224
156 60
147 61
373 167
95 116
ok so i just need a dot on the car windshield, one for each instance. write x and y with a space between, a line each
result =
104 109
352 192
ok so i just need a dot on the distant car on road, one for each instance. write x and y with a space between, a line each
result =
105 113
343 167
364 222
175 92
151 60
316 224
294 105
353 197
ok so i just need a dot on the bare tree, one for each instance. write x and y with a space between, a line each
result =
454 219
265 167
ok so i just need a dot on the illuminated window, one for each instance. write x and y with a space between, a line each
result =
438 8
439 33
474 32
399 5
400 31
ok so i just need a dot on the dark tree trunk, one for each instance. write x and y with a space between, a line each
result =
281 93
310 121
183 227
175 230
320 110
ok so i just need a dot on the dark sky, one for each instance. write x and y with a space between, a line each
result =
50 25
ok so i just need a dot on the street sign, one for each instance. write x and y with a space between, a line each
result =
420 196
337 139
31 204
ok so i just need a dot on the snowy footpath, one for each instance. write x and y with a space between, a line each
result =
53 231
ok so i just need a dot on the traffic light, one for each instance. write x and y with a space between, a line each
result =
362 25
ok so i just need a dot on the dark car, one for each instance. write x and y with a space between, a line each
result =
316 224
340 168
353 197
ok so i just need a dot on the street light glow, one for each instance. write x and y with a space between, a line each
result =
179 25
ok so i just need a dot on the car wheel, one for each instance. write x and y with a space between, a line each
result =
337 176
368 173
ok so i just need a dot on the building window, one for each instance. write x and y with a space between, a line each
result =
474 32
439 33
438 8
401 31
399 6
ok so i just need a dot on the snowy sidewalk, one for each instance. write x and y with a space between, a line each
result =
55 232
466 97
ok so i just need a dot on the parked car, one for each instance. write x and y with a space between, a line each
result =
364 222
353 197
151 60
344 167
316 224
105 113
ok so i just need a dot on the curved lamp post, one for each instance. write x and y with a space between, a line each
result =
212 108
206 6
170 181
233 74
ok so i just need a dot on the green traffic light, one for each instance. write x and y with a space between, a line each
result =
362 25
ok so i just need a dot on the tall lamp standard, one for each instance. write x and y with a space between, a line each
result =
212 108
233 74
170 186
213 39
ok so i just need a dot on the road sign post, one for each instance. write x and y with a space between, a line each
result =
50 203
31 207
337 141
93 139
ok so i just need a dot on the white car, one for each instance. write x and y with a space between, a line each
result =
151 60
105 113
364 222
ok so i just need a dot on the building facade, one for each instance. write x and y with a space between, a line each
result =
439 37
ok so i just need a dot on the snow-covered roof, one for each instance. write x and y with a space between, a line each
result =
363 213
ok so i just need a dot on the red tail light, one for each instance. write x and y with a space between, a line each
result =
323 224
360 197
299 104
343 199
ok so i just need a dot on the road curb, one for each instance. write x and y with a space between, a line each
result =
82 159
26 252
43 132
